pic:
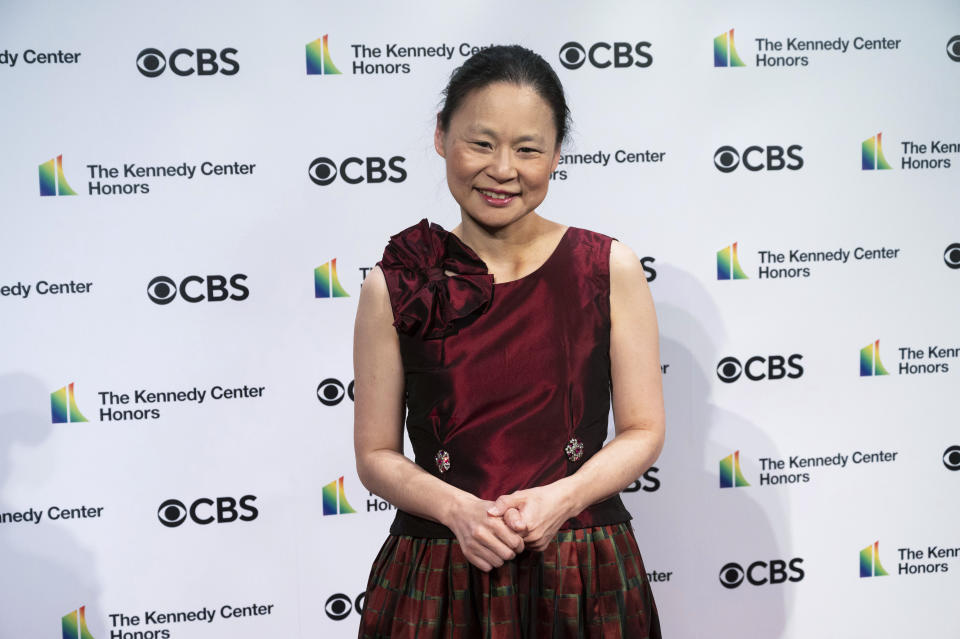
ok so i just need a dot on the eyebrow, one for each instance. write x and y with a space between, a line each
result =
523 138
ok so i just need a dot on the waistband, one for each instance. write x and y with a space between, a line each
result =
603 513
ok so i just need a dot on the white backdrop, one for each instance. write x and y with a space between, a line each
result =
246 549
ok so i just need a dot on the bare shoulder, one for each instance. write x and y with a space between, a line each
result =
374 284
624 261
374 294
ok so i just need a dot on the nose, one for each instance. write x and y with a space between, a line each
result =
501 166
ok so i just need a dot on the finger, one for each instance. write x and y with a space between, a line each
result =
478 562
490 557
502 504
513 519
493 542
508 536
480 550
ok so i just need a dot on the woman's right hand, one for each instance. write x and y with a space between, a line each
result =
486 540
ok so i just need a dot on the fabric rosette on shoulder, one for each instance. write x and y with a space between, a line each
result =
428 302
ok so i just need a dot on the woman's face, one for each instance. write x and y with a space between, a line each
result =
500 149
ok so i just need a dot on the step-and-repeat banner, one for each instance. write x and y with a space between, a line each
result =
192 195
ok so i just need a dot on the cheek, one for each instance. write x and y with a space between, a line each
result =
461 165
537 178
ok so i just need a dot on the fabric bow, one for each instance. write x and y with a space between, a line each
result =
415 262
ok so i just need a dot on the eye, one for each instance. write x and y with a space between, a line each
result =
951 255
951 458
338 606
482 144
731 575
330 392
172 513
322 171
729 369
162 289
151 62
726 158
529 149
572 55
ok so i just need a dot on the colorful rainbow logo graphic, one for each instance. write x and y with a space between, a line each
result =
730 474
319 61
725 52
870 363
870 565
325 281
728 264
335 499
63 406
871 156
75 625
52 180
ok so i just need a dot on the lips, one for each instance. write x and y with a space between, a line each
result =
496 197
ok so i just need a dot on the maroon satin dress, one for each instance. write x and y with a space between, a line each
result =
507 387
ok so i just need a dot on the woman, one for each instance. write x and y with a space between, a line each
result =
503 337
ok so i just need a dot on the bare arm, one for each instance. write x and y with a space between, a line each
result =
378 439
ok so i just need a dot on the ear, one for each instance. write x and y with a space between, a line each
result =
438 138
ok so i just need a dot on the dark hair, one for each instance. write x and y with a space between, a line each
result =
507 63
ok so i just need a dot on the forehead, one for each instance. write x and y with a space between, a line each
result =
503 106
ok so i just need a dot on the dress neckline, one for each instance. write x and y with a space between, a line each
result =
556 249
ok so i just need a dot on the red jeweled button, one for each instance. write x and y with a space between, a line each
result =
574 449
443 460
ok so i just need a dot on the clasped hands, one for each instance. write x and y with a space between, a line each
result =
491 533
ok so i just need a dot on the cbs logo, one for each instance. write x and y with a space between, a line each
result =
758 158
729 369
183 62
953 48
951 255
373 170
951 458
761 573
331 392
620 55
212 288
203 511
339 606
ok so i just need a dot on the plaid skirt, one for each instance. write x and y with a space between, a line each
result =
589 583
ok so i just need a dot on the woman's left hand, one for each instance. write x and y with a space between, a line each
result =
541 510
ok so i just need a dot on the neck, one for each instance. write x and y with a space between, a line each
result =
503 244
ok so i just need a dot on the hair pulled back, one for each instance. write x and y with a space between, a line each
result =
507 63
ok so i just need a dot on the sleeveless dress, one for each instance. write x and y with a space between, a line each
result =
507 387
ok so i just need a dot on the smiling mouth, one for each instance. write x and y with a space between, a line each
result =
496 195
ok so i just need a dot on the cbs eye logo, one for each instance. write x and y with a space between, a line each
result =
330 391
729 369
372 170
173 512
761 573
338 606
601 55
951 254
951 458
183 62
758 158
953 48
212 288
